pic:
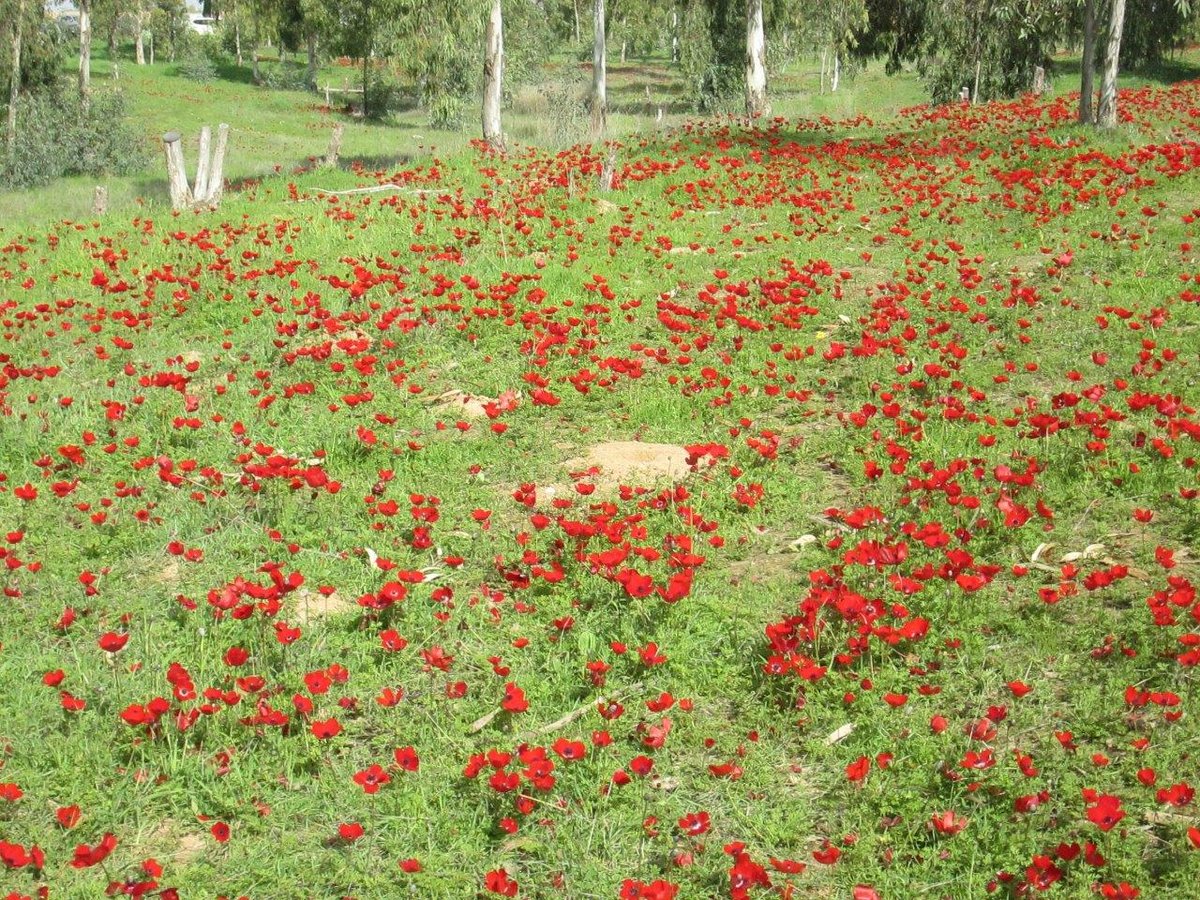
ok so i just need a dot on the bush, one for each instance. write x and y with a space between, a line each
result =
196 66
567 107
382 94
286 77
447 113
57 137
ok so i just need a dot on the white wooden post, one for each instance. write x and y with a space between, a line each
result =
200 187
216 172
177 183
335 145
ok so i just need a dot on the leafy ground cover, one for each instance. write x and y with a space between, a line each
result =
811 515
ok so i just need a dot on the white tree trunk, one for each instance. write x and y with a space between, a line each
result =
1107 117
493 76
14 83
139 45
836 79
756 62
310 74
85 50
237 34
674 35
599 73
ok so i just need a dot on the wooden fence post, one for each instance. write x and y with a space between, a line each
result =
200 187
965 94
1039 80
181 194
216 171
210 169
608 170
100 200
335 145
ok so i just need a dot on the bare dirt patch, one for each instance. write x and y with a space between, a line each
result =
462 404
313 606
168 574
761 568
628 462
169 840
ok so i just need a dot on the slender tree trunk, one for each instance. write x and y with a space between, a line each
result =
675 35
756 62
1087 67
493 76
366 61
310 74
14 83
1107 117
575 9
85 50
112 37
599 73
139 45
237 39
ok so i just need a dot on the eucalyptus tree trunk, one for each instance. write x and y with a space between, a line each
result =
14 83
756 62
1087 66
310 74
85 50
1107 117
493 77
599 73
139 25
237 40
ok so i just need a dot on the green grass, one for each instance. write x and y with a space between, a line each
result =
941 318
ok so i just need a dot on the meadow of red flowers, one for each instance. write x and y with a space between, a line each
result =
318 581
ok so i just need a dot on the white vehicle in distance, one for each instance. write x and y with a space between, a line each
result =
201 24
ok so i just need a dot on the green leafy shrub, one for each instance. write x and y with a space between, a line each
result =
447 112
56 136
286 77
383 93
197 66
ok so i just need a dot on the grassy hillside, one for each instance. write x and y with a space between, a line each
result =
813 514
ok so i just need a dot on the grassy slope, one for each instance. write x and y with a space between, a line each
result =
936 223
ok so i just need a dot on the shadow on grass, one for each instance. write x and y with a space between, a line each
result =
376 163
229 70
1163 72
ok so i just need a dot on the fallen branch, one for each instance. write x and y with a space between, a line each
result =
375 189
485 720
579 713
